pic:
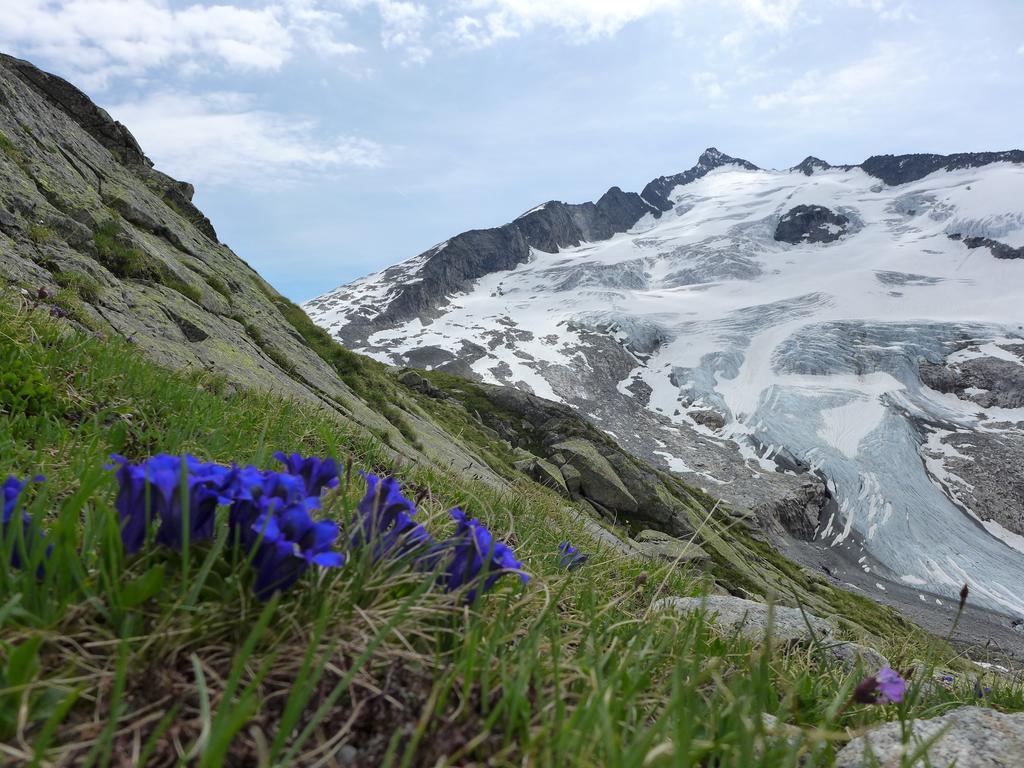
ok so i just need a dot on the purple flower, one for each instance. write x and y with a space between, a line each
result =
289 542
316 473
882 688
384 521
151 491
474 553
571 558
12 489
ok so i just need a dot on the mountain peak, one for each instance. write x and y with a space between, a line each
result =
810 164
656 193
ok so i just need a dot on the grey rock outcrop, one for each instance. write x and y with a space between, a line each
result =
999 250
810 164
969 737
988 381
598 480
545 473
850 655
661 546
798 514
784 625
811 224
752 619
900 169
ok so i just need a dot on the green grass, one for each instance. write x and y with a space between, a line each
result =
8 148
108 656
80 284
40 234
126 261
219 286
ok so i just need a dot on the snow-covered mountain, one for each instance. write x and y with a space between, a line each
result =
858 329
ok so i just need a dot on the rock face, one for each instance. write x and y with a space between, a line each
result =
998 249
664 547
785 625
85 218
598 481
810 164
975 738
811 224
991 382
657 191
751 619
900 169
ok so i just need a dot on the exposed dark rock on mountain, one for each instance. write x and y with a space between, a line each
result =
811 224
900 169
999 250
657 191
810 164
988 381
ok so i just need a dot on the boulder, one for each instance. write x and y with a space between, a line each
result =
572 479
974 737
750 619
656 507
543 472
660 545
598 481
850 655
415 381
547 474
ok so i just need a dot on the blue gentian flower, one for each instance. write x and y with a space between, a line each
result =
317 473
289 542
12 489
571 558
152 491
474 553
385 522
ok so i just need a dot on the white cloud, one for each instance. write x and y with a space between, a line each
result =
221 138
99 39
886 75
486 21
402 27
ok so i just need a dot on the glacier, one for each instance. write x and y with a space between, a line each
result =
697 327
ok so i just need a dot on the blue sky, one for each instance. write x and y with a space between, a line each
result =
330 138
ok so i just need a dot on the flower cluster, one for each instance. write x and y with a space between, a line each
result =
173 501
269 513
885 687
385 524
474 553
571 558
12 489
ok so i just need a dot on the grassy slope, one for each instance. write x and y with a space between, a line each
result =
157 660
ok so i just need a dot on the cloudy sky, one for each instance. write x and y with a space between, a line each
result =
329 138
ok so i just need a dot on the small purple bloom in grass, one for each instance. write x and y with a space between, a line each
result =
289 542
571 558
384 520
317 473
152 491
885 687
12 489
474 553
